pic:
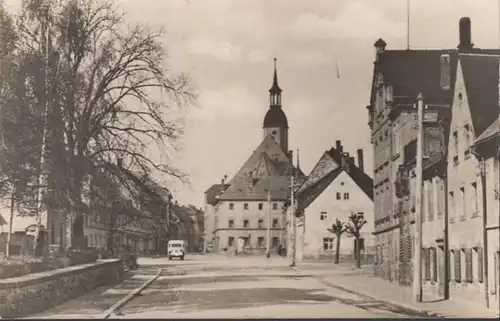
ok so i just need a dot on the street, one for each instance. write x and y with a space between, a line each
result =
228 287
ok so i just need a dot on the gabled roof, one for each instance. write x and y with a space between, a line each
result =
314 187
267 166
212 193
480 74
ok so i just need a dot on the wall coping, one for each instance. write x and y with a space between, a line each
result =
39 277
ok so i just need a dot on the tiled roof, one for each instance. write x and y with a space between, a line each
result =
213 191
3 221
308 195
481 82
267 166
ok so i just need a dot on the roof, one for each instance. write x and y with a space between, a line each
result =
490 132
212 193
275 117
267 167
275 89
3 221
311 190
410 72
480 74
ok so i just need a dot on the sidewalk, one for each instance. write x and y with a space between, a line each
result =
363 282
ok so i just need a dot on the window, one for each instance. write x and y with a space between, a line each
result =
230 241
245 206
474 199
455 146
339 196
231 206
275 223
346 196
452 206
467 140
260 224
327 244
276 242
462 208
261 206
323 216
396 143
260 241
230 223
245 223
275 206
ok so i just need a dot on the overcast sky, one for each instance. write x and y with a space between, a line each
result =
227 48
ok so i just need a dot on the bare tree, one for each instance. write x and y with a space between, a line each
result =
356 223
113 97
338 228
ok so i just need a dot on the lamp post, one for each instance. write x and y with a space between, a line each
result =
268 230
294 223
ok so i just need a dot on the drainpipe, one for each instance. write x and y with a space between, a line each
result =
482 168
446 238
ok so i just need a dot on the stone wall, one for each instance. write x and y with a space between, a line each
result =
34 293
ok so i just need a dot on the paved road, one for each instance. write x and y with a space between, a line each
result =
245 287
222 287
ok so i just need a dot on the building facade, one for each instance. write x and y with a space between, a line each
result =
241 210
475 105
487 147
399 77
335 188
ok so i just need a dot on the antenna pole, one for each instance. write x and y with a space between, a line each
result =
408 25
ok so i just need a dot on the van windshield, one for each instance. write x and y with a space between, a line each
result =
176 245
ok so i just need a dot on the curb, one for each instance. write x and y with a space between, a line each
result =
396 304
130 296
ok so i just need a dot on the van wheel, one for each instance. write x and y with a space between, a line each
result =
169 257
182 257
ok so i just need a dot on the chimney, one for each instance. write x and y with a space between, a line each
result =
345 161
360 160
290 156
379 48
338 146
465 34
351 162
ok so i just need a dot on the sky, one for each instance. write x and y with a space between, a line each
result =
227 49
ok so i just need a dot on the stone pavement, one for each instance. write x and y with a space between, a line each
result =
364 282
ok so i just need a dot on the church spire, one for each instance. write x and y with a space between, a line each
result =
275 91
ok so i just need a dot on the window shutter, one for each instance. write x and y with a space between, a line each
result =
450 262
434 265
468 265
458 276
480 264
427 264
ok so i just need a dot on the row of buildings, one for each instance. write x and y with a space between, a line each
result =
239 211
461 177
460 202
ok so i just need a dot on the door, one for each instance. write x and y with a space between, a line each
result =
441 269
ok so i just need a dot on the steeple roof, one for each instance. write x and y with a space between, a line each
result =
275 89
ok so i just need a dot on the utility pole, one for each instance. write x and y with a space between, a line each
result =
417 269
268 243
294 223
39 196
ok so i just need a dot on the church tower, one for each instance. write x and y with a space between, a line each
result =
275 122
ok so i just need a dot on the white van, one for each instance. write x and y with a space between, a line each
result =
176 248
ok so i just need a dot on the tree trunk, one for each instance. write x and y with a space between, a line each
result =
337 250
11 219
358 254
